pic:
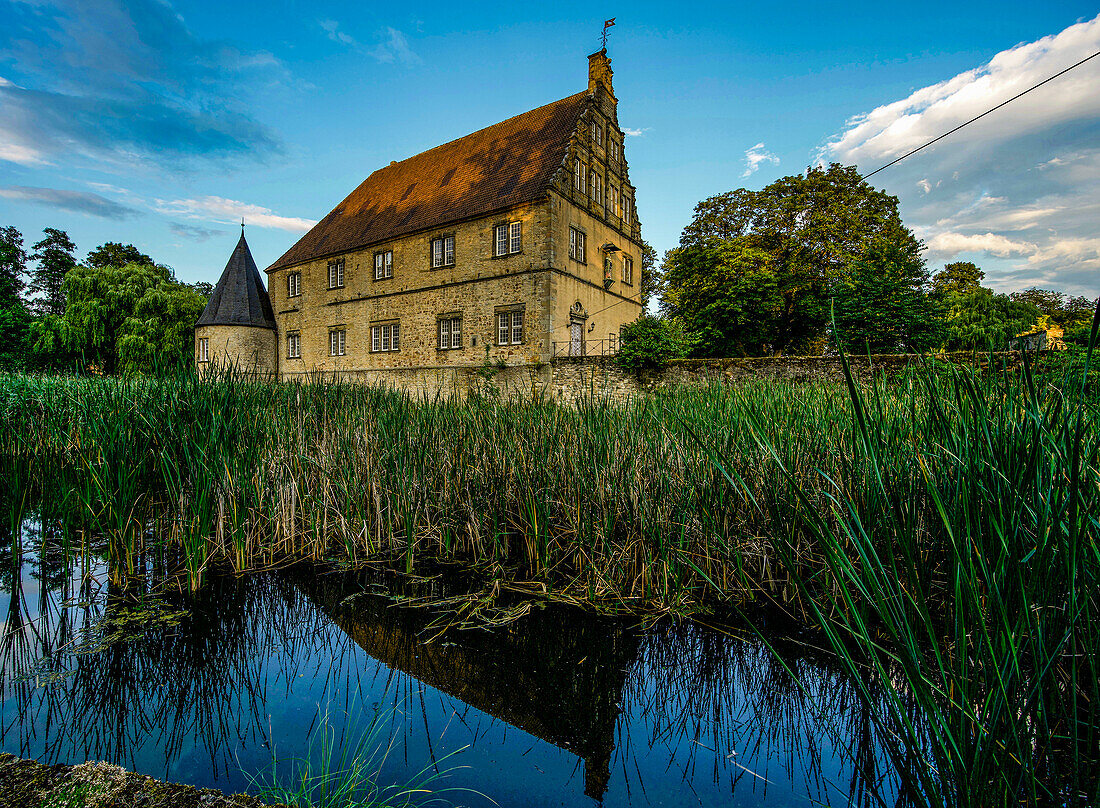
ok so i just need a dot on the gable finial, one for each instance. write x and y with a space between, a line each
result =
603 37
242 225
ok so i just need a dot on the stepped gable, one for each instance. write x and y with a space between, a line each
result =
240 297
496 168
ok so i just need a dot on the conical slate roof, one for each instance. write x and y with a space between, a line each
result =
240 297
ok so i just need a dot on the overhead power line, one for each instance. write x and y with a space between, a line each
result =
977 117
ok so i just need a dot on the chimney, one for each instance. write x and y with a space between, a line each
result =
599 73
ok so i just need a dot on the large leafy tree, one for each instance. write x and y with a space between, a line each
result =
883 304
649 280
13 265
14 318
982 320
54 255
134 317
958 278
743 296
114 254
823 231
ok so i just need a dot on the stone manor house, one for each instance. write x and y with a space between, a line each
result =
504 248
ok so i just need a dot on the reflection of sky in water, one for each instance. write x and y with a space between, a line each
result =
677 715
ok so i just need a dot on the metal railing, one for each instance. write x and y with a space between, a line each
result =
585 347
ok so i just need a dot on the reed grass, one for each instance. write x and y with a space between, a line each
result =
940 528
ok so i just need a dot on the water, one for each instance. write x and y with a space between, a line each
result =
557 707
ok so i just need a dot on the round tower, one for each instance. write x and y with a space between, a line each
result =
237 327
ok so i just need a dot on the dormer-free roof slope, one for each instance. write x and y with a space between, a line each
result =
240 297
504 165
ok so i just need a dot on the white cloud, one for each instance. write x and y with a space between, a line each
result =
394 47
951 244
756 157
231 211
1020 189
635 132
332 28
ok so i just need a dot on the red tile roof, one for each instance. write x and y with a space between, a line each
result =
507 164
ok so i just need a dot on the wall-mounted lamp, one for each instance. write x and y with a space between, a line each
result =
591 325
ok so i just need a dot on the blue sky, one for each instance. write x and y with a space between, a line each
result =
162 123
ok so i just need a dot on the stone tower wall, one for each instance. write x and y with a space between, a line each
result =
249 348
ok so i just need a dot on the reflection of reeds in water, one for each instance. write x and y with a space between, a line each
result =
127 661
758 715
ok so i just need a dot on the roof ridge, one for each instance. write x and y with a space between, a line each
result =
395 163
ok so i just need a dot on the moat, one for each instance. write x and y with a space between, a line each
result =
551 706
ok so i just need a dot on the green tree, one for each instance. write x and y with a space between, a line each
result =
883 305
958 278
650 278
114 254
54 255
743 296
982 320
649 343
204 288
128 318
14 319
13 266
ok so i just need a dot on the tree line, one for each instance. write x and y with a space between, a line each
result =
117 312
823 259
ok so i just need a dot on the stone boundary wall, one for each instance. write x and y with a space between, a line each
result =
576 378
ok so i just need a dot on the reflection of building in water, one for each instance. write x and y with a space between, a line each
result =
560 681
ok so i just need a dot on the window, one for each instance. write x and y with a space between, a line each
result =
204 349
443 252
580 175
613 200
628 271
597 189
336 274
385 337
576 245
612 149
336 342
383 265
597 133
510 327
294 345
293 284
450 333
626 208
507 238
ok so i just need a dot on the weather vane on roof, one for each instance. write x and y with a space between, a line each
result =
603 37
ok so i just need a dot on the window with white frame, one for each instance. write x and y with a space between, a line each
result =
450 333
613 200
293 284
294 345
597 189
626 208
383 265
577 245
337 342
385 337
612 149
597 133
443 251
580 175
510 327
628 271
204 349
336 274
507 238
